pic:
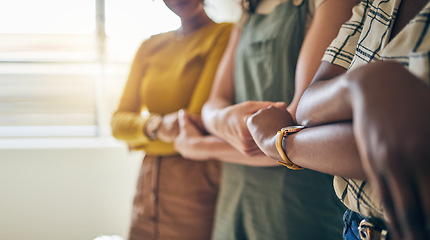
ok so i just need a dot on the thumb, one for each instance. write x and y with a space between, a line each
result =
181 118
184 118
280 105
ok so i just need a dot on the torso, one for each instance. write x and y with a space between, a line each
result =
408 10
265 62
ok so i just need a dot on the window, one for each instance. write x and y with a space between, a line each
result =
62 62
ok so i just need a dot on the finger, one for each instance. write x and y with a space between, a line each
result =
257 105
181 119
281 105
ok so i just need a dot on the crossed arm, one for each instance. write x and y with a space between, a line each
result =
325 145
379 121
226 121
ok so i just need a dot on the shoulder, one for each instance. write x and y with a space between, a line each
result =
313 5
223 27
215 31
154 39
154 42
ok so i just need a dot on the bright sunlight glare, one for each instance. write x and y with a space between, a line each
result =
139 17
47 16
123 17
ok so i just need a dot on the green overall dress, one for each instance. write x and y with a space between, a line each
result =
265 203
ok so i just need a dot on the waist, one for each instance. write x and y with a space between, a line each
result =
373 229
365 228
305 182
158 148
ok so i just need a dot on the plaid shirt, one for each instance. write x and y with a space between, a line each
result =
365 38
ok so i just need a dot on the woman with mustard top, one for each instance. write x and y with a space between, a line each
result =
175 197
270 60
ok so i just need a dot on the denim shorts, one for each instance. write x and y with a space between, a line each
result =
351 220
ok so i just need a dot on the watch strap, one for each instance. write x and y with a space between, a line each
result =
279 137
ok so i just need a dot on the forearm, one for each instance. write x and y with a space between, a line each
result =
211 147
391 115
359 94
326 100
128 126
213 115
328 148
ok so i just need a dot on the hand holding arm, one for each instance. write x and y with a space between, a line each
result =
193 144
234 129
220 117
169 128
263 126
189 136
304 150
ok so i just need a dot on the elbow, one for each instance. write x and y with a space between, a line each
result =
115 131
208 115
206 109
205 114
302 116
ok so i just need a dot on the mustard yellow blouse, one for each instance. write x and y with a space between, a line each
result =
168 73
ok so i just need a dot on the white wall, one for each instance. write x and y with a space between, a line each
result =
65 192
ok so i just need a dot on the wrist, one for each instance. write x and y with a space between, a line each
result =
217 122
284 132
269 148
152 126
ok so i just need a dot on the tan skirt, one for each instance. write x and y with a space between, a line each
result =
175 199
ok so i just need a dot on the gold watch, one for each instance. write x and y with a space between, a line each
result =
152 125
279 137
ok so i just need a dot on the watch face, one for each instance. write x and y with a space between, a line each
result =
292 129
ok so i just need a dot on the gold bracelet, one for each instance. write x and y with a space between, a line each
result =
279 136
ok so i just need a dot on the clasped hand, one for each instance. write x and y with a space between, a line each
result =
191 134
264 125
234 129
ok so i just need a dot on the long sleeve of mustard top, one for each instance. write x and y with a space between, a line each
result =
168 74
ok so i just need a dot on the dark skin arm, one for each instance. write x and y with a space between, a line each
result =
391 129
323 101
396 161
323 148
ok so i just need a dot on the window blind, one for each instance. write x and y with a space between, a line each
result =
48 88
62 67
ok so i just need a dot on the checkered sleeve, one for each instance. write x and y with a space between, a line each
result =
359 196
342 49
